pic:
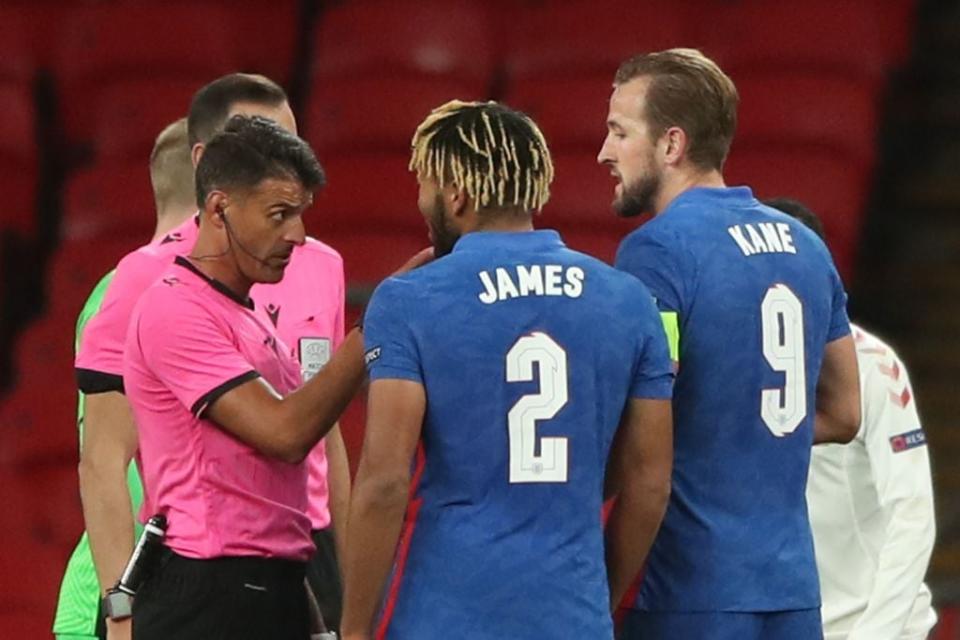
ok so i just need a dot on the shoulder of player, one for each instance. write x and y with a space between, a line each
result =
667 236
173 292
317 249
146 262
871 350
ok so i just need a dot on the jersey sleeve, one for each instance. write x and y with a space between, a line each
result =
194 357
653 370
900 467
839 322
99 361
391 350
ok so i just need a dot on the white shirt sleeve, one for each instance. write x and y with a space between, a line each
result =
900 466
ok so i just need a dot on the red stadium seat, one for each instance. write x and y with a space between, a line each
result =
109 200
570 110
376 113
580 207
18 184
266 36
367 192
381 37
131 113
807 108
832 186
897 21
18 125
368 212
46 344
581 195
33 559
39 418
587 37
844 38
102 44
18 55
369 256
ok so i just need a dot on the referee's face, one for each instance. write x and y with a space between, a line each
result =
629 150
264 224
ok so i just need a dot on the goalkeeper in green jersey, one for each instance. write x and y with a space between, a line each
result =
171 174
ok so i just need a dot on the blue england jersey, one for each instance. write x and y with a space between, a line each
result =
754 297
528 352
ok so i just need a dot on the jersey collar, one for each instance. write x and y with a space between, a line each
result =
529 240
729 195
216 284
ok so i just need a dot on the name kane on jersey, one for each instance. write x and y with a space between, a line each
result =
763 237
530 280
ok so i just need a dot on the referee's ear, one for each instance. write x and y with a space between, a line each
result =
214 208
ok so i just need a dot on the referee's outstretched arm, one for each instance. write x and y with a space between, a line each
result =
288 428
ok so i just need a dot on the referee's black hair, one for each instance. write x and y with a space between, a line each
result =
800 211
211 104
250 150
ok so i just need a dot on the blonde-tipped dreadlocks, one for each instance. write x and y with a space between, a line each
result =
495 154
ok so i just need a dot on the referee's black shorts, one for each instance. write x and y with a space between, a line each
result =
230 598
323 574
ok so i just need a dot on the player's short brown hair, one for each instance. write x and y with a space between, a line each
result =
687 90
171 170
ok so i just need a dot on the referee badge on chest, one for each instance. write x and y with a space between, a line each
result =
314 353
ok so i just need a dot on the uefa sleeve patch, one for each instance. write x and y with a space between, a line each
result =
371 356
908 440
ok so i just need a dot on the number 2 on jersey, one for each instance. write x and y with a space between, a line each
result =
781 316
551 463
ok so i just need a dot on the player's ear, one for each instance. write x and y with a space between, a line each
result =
674 144
457 200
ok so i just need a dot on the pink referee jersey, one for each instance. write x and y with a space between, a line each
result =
306 307
190 341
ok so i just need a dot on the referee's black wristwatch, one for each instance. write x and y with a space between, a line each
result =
117 605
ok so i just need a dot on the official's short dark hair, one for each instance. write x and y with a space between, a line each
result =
251 149
211 104
800 211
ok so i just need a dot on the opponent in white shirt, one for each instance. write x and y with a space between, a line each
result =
871 503
871 510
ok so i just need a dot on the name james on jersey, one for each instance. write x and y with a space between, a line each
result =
530 280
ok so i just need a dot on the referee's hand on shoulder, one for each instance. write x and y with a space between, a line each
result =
419 259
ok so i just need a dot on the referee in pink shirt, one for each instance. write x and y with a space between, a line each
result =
224 424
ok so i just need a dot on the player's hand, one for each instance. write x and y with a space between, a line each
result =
357 636
418 260
122 630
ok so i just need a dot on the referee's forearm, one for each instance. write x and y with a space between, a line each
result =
314 409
